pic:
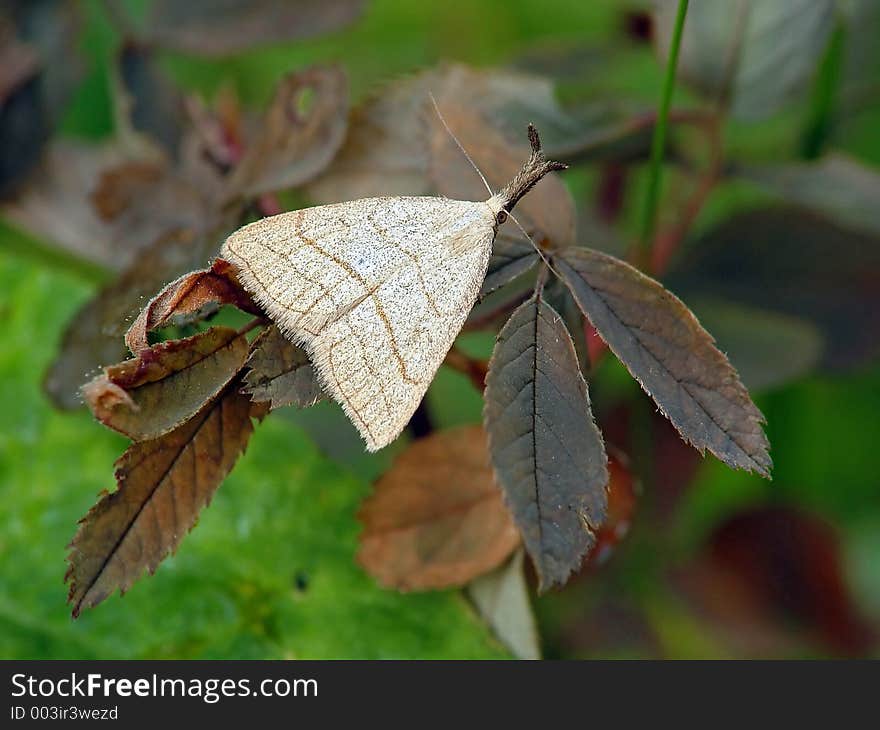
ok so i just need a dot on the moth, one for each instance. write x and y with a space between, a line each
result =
376 290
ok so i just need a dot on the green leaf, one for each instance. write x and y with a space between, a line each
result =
674 359
548 454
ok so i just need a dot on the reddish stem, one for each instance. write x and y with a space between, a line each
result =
474 368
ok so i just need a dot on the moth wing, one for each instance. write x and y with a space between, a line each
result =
376 290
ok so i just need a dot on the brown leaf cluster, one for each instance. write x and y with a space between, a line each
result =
186 406
163 484
166 384
186 298
297 138
155 204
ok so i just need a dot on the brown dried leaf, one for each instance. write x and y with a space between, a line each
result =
281 373
211 28
93 337
508 100
387 150
119 186
188 297
436 518
56 205
547 213
673 358
166 384
218 127
162 486
548 454
99 203
295 142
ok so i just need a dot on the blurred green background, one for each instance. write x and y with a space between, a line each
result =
270 573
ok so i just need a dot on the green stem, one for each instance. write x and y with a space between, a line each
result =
658 144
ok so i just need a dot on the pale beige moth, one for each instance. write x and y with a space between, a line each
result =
376 290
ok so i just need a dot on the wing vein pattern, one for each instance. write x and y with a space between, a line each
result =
375 290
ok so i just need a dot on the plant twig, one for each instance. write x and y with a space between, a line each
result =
658 143
474 368
252 325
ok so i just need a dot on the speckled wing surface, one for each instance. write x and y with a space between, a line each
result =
376 290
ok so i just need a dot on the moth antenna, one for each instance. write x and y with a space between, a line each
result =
534 245
459 144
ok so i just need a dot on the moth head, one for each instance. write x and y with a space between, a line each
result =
531 172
